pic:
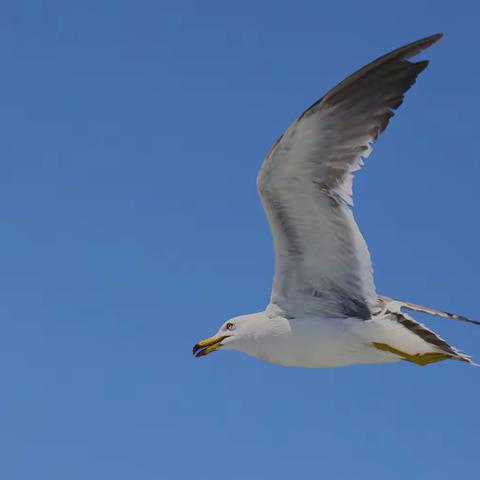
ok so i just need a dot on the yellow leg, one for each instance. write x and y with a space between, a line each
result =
419 359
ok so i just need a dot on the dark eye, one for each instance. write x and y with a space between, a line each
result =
230 326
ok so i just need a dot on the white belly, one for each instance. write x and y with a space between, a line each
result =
317 343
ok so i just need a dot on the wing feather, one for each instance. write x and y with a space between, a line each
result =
322 263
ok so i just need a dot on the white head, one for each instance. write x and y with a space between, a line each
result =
239 333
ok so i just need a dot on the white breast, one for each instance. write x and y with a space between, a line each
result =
316 343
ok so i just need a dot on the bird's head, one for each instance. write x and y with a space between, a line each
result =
235 334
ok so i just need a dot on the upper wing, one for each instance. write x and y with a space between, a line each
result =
322 264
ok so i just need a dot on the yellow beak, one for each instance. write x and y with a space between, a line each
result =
208 345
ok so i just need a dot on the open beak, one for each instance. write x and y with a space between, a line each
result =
208 345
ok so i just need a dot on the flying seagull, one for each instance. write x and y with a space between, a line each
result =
324 310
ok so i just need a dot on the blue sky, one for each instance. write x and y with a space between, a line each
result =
132 133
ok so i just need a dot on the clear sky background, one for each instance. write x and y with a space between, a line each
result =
131 135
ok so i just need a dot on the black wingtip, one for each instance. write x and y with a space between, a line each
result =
475 322
414 48
435 37
427 41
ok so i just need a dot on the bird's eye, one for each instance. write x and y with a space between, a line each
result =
230 326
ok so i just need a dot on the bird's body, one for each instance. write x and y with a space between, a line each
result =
324 310
314 342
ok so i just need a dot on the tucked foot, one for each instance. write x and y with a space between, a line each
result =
421 359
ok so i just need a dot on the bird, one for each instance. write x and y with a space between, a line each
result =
324 310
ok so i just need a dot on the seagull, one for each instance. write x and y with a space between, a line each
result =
324 310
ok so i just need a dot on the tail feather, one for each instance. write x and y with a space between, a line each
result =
392 309
430 311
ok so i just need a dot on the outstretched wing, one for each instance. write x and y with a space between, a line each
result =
322 264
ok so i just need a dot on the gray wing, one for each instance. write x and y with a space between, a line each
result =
322 264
